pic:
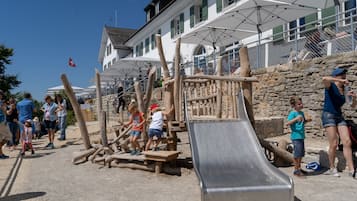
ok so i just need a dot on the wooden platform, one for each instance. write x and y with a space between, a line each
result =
161 156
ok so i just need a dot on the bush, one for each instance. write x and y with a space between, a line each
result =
71 119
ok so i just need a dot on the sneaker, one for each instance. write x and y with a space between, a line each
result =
52 146
352 174
298 173
332 172
22 153
48 145
133 152
3 156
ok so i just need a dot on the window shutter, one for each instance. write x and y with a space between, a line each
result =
309 21
219 5
147 45
192 16
204 10
328 16
278 33
172 28
182 20
153 41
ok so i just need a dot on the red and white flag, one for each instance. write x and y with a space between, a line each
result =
71 63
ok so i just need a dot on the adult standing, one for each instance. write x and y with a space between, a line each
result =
62 116
25 108
12 121
4 130
332 119
121 101
50 117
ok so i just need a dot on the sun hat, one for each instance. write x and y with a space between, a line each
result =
338 71
154 106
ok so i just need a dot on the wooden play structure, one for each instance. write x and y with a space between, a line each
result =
208 97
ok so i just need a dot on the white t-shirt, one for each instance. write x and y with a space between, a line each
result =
157 121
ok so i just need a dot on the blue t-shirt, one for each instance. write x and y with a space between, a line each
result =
333 100
297 128
25 109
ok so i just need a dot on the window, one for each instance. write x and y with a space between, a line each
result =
105 66
147 45
137 50
114 60
141 49
109 64
292 29
177 25
350 9
198 13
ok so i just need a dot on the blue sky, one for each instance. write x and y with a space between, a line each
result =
45 33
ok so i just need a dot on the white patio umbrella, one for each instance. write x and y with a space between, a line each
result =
315 3
57 89
260 15
214 36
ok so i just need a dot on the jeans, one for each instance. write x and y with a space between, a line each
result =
62 126
13 126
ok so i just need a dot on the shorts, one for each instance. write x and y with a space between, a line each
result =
135 133
50 124
299 148
155 132
329 119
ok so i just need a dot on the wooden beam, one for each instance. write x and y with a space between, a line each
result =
223 78
77 111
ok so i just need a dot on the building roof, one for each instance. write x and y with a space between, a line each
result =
117 36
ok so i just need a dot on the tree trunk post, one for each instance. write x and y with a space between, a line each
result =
99 94
246 86
177 80
219 89
168 89
77 111
103 128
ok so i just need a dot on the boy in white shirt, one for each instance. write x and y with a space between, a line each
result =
156 125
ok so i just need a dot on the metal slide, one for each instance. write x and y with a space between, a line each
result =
230 163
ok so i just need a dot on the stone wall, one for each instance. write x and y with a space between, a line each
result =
304 79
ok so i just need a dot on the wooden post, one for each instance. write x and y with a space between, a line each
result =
168 95
149 88
77 111
177 80
139 96
103 128
246 86
99 94
219 89
162 56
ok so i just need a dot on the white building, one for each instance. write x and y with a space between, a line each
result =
172 18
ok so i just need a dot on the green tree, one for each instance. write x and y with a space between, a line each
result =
7 82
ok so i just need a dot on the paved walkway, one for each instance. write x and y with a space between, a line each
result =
50 175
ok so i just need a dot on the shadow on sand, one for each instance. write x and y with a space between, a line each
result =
23 196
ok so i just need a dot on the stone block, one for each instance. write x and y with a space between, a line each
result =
269 126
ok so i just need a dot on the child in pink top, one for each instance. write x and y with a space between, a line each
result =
26 137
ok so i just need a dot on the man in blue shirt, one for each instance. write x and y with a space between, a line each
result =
26 108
